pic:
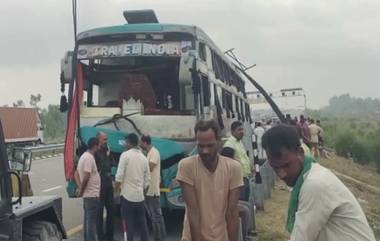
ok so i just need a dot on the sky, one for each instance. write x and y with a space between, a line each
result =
326 47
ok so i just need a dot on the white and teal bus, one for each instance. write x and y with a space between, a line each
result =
150 78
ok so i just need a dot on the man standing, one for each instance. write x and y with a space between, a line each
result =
103 162
89 189
259 132
315 132
234 141
304 131
321 207
210 186
152 197
133 178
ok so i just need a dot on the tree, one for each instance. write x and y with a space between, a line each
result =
34 100
54 122
19 103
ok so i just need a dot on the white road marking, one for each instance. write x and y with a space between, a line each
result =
52 189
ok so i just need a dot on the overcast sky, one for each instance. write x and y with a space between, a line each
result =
327 47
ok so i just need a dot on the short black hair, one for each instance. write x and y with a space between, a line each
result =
205 125
281 136
146 139
92 142
133 139
235 125
228 152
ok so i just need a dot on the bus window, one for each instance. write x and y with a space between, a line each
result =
151 81
202 52
230 106
224 103
206 91
248 113
237 106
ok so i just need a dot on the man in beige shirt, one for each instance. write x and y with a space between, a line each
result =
315 132
89 188
152 196
211 188
321 207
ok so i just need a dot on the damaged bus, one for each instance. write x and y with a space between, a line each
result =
150 78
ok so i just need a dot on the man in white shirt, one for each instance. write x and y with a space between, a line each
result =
152 197
321 208
133 178
259 132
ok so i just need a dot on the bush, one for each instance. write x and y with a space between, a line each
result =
348 145
374 144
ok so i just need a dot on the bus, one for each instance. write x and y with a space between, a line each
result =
147 77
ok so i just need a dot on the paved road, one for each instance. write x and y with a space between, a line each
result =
47 178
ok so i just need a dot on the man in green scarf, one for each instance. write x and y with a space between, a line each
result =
321 208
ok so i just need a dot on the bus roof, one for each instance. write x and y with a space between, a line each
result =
193 30
138 28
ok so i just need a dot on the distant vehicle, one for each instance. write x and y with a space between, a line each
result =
22 126
36 218
149 77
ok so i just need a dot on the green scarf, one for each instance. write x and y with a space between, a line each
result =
293 202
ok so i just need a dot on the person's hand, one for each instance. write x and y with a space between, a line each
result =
78 193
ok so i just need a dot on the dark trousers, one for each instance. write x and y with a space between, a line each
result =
90 206
106 201
134 213
245 190
153 208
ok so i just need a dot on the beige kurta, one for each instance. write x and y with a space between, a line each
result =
212 191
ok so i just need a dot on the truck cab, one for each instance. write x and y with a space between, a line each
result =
37 218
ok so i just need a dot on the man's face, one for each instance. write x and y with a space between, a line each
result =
96 147
207 146
128 145
238 133
103 140
287 164
143 145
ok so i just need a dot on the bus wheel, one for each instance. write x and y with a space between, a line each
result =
41 231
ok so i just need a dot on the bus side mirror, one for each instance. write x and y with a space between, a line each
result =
21 160
67 67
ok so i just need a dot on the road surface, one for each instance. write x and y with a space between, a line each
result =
47 178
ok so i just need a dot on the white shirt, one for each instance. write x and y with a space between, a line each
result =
259 132
328 211
155 177
87 164
133 174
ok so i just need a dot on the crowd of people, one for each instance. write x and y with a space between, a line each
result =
137 180
309 130
216 186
